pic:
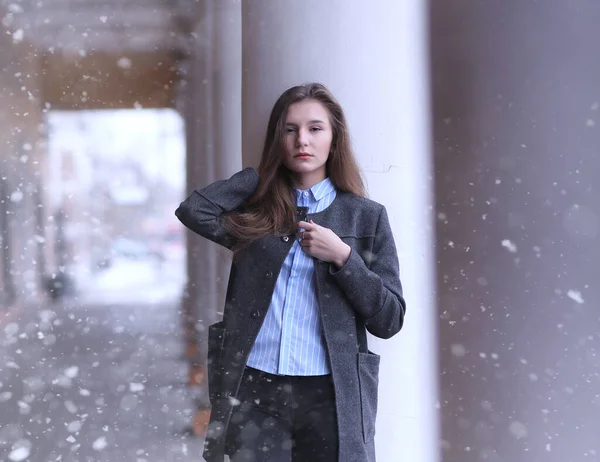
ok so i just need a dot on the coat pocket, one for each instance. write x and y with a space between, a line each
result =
216 339
368 376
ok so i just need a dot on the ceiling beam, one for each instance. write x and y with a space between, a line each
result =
80 20
117 43
102 7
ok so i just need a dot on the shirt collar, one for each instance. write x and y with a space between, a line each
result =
319 190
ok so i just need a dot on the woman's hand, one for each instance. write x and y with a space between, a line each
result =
323 243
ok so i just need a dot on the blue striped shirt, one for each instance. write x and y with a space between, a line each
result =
290 341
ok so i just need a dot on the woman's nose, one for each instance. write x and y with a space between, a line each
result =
302 138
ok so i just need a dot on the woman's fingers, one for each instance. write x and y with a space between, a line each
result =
307 225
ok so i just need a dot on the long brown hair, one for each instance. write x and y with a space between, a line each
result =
272 208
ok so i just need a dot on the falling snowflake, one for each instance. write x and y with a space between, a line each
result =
74 426
15 8
19 454
136 386
518 430
71 407
16 196
575 295
18 35
512 247
458 350
11 329
124 63
72 372
100 444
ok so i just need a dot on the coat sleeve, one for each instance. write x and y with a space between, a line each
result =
376 292
201 211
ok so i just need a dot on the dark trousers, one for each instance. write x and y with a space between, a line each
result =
282 419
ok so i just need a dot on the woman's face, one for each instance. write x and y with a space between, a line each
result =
307 142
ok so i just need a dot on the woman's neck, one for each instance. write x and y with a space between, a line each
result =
304 182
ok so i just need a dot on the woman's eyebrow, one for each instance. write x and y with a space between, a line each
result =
314 121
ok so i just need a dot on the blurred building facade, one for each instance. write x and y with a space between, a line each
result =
508 331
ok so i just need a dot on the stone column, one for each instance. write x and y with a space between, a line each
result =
199 305
227 119
516 106
373 58
194 297
22 161
213 121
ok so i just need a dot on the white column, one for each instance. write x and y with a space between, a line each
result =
199 304
205 171
373 58
198 279
227 106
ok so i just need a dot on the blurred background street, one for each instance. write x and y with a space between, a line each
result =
91 382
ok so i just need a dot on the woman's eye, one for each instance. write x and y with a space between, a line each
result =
316 129
290 130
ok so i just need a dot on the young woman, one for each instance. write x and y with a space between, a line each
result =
315 266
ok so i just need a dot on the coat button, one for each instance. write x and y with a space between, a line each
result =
269 274
255 314
285 238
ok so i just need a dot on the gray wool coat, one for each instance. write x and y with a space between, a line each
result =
365 294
